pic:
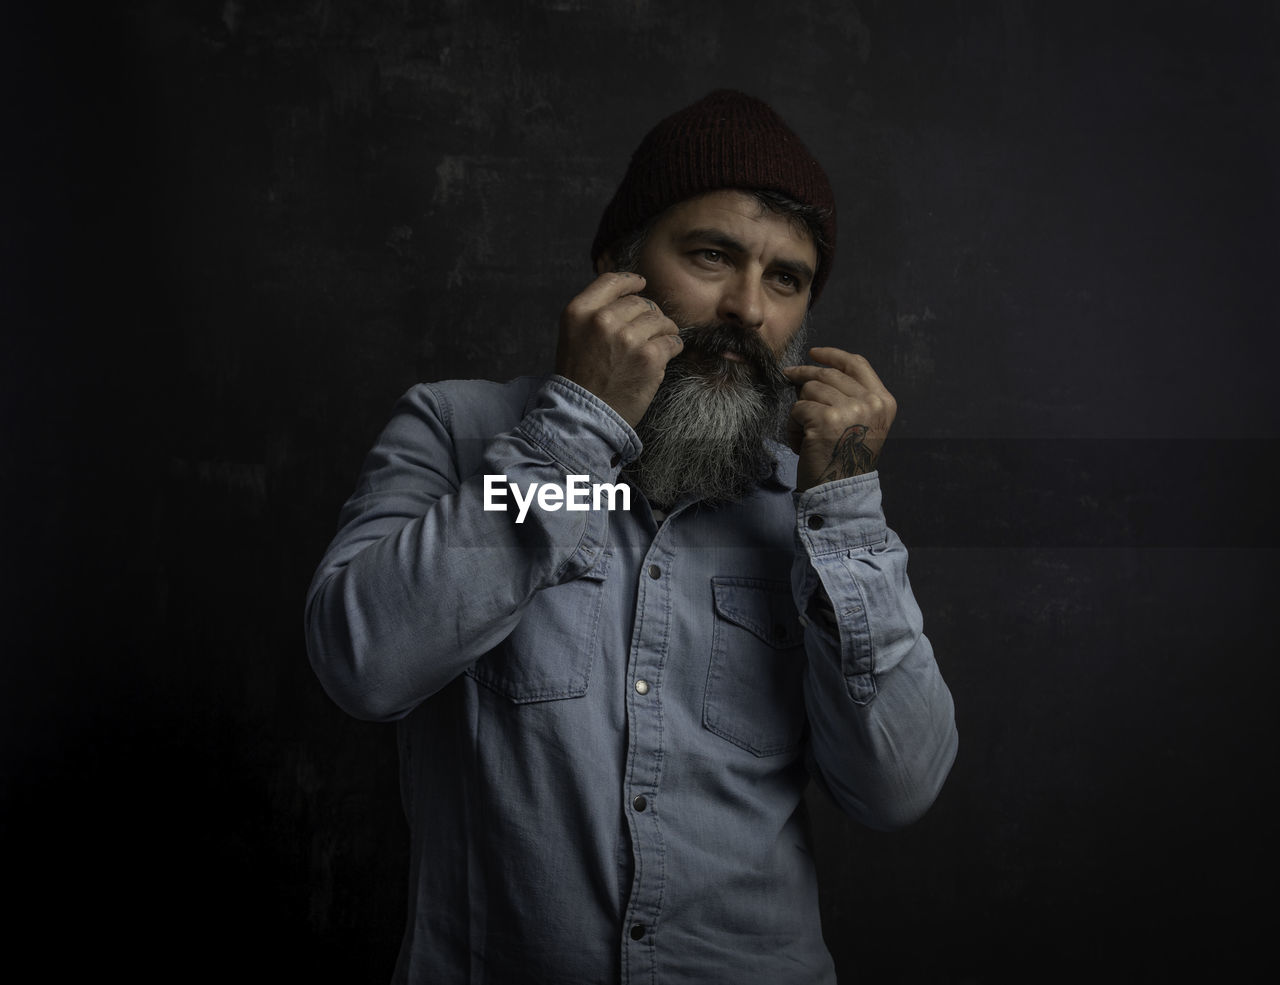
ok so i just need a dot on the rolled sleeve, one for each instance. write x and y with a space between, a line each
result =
882 721
581 431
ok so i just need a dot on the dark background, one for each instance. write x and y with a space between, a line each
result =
234 233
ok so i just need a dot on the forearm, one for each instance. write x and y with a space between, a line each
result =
421 579
882 727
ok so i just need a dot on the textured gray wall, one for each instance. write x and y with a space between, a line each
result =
235 232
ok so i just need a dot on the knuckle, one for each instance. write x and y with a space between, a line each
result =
605 319
651 357
574 310
633 339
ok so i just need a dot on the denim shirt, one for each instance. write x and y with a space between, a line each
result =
606 723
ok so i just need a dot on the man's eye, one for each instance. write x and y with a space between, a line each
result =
711 256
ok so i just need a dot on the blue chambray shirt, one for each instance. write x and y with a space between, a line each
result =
606 724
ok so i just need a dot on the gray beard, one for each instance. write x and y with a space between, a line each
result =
707 431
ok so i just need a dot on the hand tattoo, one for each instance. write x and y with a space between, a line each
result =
851 456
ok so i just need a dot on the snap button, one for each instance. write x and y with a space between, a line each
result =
816 522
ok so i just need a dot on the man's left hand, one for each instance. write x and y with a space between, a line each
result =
840 419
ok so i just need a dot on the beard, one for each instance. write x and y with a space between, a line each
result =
708 428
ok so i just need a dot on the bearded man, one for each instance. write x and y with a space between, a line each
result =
608 717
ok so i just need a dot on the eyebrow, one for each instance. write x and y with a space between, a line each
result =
719 238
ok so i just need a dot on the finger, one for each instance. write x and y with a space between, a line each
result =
818 392
632 318
849 363
817 418
638 333
668 346
659 350
801 375
606 289
652 331
651 321
635 306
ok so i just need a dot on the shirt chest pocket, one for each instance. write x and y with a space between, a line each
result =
549 655
755 682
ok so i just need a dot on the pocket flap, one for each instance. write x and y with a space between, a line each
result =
763 608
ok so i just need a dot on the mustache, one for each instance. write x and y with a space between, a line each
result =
706 342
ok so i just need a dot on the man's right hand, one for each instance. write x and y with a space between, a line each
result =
616 343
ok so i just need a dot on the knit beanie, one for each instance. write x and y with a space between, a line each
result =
727 139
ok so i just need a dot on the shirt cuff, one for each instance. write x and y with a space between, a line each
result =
581 431
840 516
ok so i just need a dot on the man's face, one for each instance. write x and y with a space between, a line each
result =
723 258
735 277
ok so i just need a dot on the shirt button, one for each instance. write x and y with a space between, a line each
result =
642 687
637 931
816 522
655 572
613 462
640 803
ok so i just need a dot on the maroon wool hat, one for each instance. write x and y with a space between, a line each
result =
727 139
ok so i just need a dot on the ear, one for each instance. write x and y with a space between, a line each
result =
604 263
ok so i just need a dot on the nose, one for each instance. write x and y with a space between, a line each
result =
742 301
